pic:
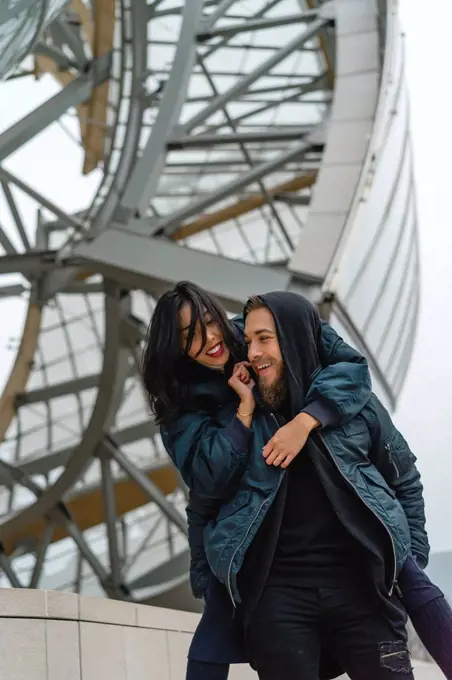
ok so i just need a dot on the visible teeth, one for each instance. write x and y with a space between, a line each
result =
261 368
215 349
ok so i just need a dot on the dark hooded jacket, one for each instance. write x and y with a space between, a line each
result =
368 454
232 488
211 448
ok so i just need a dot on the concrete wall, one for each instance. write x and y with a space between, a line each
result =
46 635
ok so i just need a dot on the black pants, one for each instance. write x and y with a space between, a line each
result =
290 625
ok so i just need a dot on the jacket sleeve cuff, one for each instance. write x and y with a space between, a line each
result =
327 415
238 434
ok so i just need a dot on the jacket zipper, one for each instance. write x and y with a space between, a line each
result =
391 458
394 579
229 585
238 548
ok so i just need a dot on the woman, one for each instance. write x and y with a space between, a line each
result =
188 372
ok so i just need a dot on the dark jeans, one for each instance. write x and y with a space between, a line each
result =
217 642
205 670
290 623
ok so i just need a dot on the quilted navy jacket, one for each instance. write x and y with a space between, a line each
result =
231 486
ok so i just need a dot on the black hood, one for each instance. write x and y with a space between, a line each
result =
298 326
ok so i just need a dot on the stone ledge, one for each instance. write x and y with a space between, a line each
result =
48 604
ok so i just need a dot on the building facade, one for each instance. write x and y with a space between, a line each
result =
246 149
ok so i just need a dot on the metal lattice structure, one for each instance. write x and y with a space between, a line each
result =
236 143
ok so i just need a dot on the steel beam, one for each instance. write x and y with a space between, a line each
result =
154 265
258 25
41 233
82 288
148 170
292 199
16 215
135 52
154 5
172 11
261 137
22 366
85 15
71 221
69 35
86 552
147 485
46 463
41 552
170 570
147 429
28 264
210 21
243 84
233 48
60 224
57 390
61 60
224 166
171 222
10 574
136 553
75 93
6 243
234 73
108 488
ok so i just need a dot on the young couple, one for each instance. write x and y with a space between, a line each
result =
306 516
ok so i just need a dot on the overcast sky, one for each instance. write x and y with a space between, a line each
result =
425 410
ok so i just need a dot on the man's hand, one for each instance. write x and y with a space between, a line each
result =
289 440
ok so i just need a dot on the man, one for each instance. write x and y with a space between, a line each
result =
212 444
319 574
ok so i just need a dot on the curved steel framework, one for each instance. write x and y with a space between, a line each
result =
211 122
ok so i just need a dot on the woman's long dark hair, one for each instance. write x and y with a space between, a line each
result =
166 368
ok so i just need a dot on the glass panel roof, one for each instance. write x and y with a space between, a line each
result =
254 126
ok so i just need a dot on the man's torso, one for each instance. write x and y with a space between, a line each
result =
313 547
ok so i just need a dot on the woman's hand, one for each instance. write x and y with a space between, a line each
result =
241 370
242 383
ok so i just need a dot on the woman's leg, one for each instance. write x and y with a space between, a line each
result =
433 624
430 614
204 670
218 639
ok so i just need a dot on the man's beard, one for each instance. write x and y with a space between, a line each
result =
274 395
